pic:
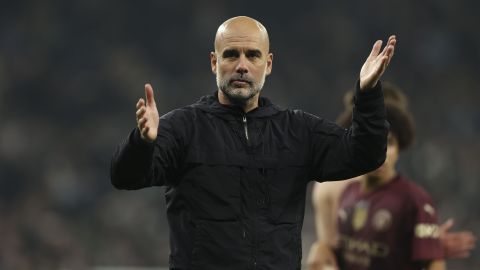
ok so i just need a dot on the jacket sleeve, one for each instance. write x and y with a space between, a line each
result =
137 164
340 153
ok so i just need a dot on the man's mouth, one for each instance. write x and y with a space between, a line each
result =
240 83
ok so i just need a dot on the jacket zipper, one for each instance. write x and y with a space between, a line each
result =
245 127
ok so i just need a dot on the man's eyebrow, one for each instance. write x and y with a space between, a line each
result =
230 52
254 52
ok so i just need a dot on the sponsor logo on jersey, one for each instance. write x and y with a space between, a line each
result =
382 220
427 230
364 247
360 215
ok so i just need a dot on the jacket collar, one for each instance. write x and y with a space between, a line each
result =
210 104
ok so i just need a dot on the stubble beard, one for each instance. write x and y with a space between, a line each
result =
237 95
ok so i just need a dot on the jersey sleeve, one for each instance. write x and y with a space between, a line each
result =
426 243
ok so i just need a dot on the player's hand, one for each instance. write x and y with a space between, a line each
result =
321 257
147 115
457 245
376 63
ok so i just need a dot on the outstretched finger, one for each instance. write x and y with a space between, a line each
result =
385 62
470 239
388 49
149 95
140 103
391 39
444 227
140 112
389 53
375 49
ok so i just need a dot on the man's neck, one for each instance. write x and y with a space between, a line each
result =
249 104
372 182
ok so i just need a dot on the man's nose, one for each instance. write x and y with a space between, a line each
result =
242 67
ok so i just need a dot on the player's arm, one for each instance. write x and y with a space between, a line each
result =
325 198
321 253
458 244
426 245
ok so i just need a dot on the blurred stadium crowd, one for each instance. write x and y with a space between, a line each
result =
72 71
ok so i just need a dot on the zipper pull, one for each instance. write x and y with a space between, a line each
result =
245 127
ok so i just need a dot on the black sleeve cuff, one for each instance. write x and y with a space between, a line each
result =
364 99
137 141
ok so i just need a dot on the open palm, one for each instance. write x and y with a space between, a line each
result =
147 115
376 63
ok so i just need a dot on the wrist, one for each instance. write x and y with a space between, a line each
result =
366 86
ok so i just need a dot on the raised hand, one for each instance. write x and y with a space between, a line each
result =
147 116
457 245
376 63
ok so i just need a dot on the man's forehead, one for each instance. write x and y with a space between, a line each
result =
240 31
243 42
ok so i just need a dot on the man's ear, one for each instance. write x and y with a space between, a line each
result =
213 62
269 63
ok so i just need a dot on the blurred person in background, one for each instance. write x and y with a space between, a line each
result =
356 212
236 166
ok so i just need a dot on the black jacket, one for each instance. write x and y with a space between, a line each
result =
236 182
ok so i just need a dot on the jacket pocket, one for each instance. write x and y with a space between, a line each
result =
281 247
220 245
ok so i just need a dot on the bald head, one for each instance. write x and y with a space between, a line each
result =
241 61
241 29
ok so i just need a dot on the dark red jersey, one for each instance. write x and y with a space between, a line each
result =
393 227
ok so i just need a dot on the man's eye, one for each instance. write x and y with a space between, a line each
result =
253 55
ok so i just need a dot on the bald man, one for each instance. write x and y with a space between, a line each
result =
236 166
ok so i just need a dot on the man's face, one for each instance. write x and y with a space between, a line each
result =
241 62
388 168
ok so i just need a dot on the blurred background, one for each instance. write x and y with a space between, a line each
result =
72 71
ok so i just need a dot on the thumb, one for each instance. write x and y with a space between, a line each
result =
446 225
149 95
